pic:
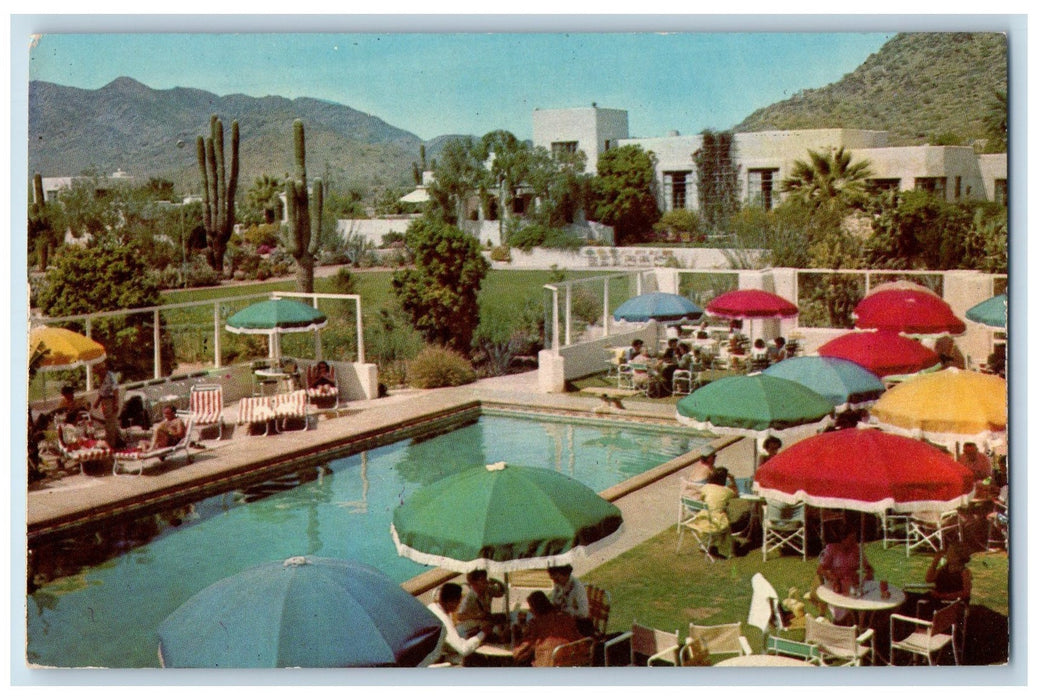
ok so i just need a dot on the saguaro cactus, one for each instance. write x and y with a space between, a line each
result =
40 230
218 189
304 230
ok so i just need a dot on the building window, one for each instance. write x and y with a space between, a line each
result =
559 148
761 183
675 189
936 186
1002 191
958 187
608 144
885 184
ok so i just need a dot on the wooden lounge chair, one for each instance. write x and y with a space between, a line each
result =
127 459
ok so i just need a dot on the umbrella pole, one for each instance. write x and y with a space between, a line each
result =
508 613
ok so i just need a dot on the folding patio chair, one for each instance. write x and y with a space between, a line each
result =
256 409
839 645
75 449
578 653
322 396
930 529
927 638
648 646
714 640
784 526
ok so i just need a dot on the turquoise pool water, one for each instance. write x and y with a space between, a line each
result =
98 599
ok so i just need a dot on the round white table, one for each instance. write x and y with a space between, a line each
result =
866 603
764 660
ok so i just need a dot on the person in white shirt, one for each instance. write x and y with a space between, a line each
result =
569 595
447 601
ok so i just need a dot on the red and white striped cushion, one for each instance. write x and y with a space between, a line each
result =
206 405
290 405
322 390
253 409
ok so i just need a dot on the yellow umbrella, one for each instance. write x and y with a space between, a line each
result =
65 349
947 408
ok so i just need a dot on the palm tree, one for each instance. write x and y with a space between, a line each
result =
829 179
265 196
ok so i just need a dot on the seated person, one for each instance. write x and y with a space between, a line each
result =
950 578
670 355
322 376
68 406
700 472
474 613
640 376
976 461
636 350
448 599
760 350
772 445
167 432
569 595
549 628
839 566
777 352
718 491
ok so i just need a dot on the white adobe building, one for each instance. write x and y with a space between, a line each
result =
764 159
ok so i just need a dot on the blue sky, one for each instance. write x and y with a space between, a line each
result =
433 84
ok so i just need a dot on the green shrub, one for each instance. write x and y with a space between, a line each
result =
680 225
439 367
501 253
261 234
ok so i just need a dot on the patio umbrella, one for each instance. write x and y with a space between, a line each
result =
274 317
64 349
750 304
900 285
503 518
947 407
309 612
991 312
868 471
883 353
756 405
846 384
659 306
909 312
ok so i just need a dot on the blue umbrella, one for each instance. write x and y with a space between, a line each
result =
991 312
305 612
846 384
657 306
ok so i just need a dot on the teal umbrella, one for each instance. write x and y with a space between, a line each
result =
274 317
844 383
758 406
658 306
305 612
503 518
991 312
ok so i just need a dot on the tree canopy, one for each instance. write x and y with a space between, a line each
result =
440 292
624 192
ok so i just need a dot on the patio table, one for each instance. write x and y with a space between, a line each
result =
866 603
764 660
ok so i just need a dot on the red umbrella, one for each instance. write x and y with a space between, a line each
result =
865 470
908 311
883 353
900 285
751 303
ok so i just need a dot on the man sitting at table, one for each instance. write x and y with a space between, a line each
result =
976 461
636 350
446 604
474 613
549 628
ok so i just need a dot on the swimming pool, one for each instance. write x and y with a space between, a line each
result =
98 599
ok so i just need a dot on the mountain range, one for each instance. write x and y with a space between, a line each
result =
919 86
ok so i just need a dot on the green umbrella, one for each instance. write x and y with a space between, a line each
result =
274 317
991 312
503 518
756 405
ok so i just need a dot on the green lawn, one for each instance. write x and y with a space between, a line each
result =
660 588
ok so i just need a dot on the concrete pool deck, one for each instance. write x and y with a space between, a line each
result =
73 502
